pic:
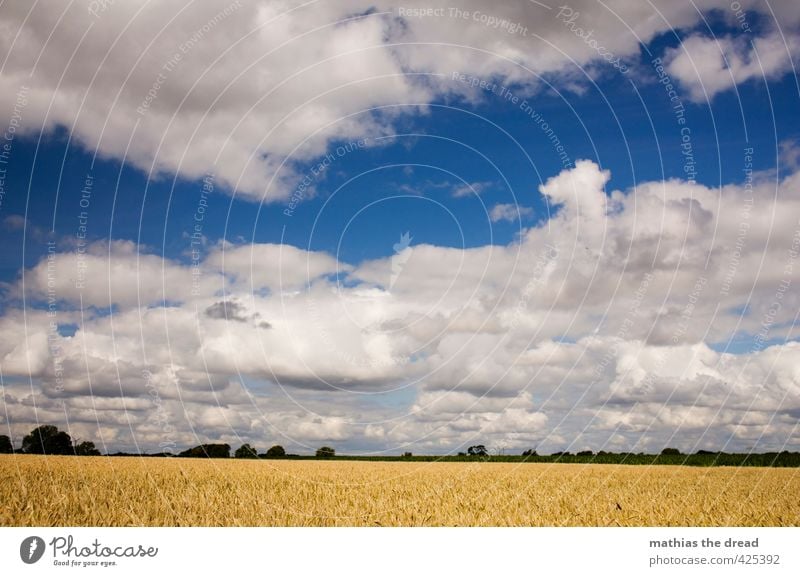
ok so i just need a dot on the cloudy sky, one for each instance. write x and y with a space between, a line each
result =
393 227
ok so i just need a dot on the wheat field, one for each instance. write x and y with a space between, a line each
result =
104 491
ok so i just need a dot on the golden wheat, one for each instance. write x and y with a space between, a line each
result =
71 491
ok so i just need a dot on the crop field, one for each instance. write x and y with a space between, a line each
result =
106 491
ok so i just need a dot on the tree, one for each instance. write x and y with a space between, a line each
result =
47 439
407 454
276 451
245 451
5 445
670 452
86 449
479 450
530 452
585 453
326 452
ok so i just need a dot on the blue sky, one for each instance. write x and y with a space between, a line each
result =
333 327
629 132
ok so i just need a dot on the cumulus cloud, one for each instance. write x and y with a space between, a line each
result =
789 156
275 267
236 89
595 328
235 312
609 325
254 91
707 66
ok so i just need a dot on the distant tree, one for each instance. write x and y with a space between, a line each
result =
5 445
208 451
86 449
245 451
276 451
326 452
478 450
670 452
585 453
47 439
530 452
407 454
462 453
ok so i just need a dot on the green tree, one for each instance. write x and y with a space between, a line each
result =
5 445
276 451
47 439
86 449
326 452
670 452
245 451
479 450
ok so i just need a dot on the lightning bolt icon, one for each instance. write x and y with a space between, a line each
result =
34 546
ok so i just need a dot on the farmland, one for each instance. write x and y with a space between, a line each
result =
106 491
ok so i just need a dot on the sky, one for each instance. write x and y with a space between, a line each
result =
401 227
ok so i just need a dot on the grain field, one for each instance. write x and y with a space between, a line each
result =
103 491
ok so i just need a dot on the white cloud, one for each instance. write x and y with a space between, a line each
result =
707 66
116 273
594 327
470 189
172 94
253 91
273 266
509 212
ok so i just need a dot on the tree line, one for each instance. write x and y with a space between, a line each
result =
48 439
247 451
